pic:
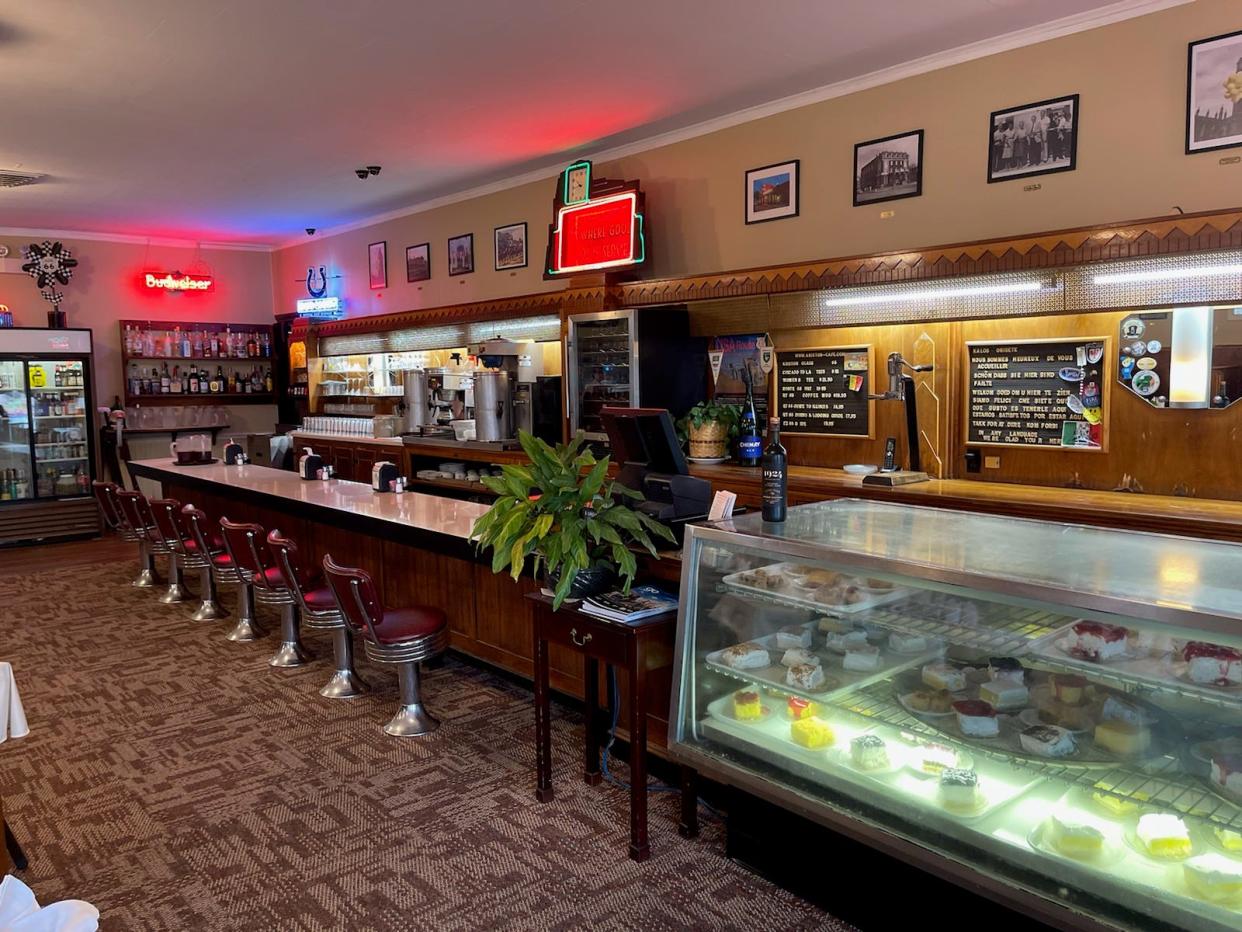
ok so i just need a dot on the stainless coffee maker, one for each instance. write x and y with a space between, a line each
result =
493 404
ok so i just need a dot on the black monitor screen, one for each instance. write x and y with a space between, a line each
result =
644 437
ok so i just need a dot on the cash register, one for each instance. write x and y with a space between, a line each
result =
649 459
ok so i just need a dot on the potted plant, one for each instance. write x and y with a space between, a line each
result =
710 427
562 511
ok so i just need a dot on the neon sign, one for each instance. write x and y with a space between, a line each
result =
598 224
320 308
178 281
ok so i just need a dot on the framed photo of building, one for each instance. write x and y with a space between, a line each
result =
888 169
1214 93
1033 139
509 245
772 192
377 264
461 254
418 262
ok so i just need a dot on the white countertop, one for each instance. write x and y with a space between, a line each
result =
412 509
309 438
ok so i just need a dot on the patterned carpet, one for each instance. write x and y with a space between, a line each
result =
177 782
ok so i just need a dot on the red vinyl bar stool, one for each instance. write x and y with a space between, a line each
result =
137 514
207 544
402 637
320 611
247 545
166 538
197 557
107 495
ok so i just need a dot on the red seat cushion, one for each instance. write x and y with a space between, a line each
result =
404 624
223 560
215 542
320 599
271 577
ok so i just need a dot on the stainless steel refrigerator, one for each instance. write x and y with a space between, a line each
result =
47 439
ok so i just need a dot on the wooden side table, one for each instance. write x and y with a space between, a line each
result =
626 647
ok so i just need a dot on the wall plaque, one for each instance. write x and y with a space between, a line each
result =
822 391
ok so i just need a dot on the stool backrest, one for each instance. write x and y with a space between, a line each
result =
105 498
136 511
166 512
355 594
247 545
198 528
285 552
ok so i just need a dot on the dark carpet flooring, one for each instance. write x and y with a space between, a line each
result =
176 781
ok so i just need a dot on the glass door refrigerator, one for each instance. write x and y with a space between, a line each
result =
47 442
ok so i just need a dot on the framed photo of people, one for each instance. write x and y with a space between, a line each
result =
1214 93
888 169
461 254
509 246
1033 139
377 264
772 192
418 262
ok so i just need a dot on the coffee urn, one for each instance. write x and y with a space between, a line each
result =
418 412
493 412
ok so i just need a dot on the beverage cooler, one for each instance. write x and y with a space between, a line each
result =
47 443
630 358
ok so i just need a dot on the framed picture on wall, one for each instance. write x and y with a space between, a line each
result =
1033 139
888 169
510 246
1214 93
418 262
461 254
377 264
772 192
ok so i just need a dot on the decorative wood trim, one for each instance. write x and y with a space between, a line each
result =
1181 233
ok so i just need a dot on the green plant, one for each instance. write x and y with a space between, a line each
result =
707 412
563 511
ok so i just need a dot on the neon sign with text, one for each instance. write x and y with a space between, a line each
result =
178 281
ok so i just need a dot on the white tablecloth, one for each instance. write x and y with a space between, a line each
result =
12 716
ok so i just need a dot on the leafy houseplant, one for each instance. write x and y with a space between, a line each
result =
710 426
565 513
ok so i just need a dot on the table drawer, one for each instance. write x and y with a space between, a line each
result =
597 638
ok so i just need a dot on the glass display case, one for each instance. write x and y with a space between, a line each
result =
1049 711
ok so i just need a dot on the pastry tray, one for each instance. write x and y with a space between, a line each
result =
789 594
832 766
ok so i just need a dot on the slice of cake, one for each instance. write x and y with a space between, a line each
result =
959 788
1094 640
797 708
1212 664
934 758
944 676
869 752
841 643
862 658
1047 741
1164 835
1228 838
1006 669
1123 710
1214 877
976 718
1123 737
1069 688
1004 694
747 706
811 733
793 636
1115 806
746 656
799 655
907 643
805 676
1227 772
935 701
1073 836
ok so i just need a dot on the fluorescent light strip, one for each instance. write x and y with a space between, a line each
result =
1166 275
932 294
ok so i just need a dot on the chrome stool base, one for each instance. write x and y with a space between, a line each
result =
345 682
247 627
292 652
176 592
209 610
411 721
147 578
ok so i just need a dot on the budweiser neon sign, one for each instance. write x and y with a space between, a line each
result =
178 281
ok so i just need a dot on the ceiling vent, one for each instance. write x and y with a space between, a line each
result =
11 179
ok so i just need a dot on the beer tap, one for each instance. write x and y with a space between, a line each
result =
901 388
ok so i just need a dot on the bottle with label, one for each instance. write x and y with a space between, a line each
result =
232 383
193 386
775 475
153 387
165 380
267 381
135 383
187 347
749 444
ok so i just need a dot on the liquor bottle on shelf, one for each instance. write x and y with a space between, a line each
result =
198 343
231 387
165 380
252 349
775 475
135 383
749 444
226 350
267 380
267 345
187 348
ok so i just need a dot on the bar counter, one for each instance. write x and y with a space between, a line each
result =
416 547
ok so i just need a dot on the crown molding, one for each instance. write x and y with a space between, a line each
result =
1068 25
36 234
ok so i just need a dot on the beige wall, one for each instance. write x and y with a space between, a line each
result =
1132 80
104 290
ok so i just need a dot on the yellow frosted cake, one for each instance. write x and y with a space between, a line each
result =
1214 877
747 706
811 733
1164 835
1073 836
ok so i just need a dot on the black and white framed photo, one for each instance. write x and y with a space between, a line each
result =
510 246
1033 139
418 262
1214 93
461 254
888 169
772 192
377 264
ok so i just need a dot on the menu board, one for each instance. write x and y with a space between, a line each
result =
823 390
1036 393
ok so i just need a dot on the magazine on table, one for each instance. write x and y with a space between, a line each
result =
642 602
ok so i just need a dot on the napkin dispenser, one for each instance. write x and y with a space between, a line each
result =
309 464
233 452
382 475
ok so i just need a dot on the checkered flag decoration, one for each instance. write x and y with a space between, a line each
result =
48 263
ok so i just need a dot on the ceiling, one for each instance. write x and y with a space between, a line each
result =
242 120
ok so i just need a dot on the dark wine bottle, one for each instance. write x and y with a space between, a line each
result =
775 475
749 444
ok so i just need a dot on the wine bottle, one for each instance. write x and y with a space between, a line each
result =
749 444
775 475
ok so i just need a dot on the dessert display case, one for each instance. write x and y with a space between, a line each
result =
1049 713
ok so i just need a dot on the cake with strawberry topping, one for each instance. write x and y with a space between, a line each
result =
1094 640
1212 664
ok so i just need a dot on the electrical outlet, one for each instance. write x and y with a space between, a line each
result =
991 462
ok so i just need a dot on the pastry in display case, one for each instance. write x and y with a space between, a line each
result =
1053 711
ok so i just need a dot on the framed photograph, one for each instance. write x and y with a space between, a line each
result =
418 262
510 246
888 169
461 254
1034 139
772 192
377 264
1214 93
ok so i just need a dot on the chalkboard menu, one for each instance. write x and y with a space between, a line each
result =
823 390
1038 393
